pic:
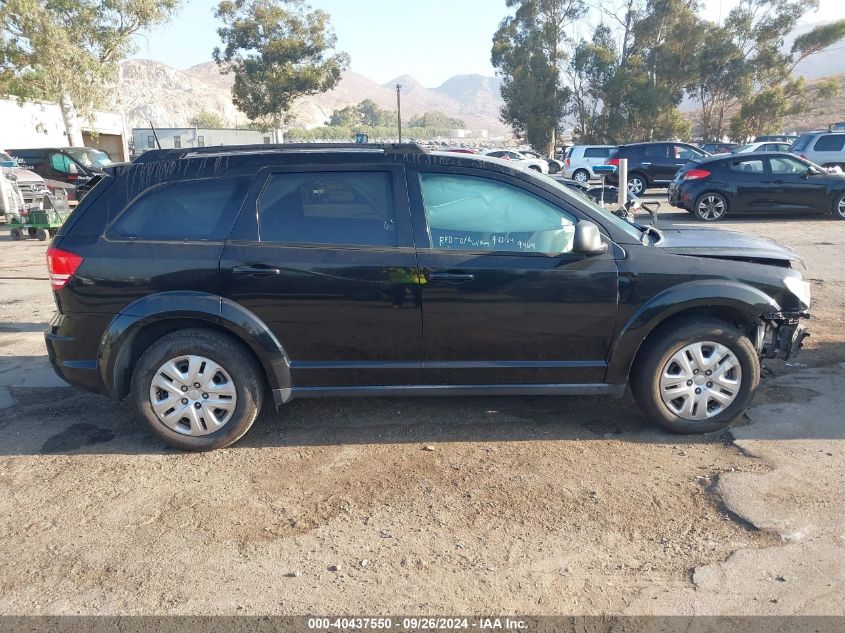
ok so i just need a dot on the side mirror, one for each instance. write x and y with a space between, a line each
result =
587 239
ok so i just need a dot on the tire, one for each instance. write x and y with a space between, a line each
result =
710 207
15 234
240 381
554 168
41 234
581 175
637 184
656 363
838 209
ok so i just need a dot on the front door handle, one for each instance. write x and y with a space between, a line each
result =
256 270
451 277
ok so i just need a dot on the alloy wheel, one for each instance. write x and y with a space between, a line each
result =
636 186
840 207
711 207
581 176
193 395
700 380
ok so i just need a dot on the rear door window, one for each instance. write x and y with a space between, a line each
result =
342 208
597 152
188 210
656 151
830 143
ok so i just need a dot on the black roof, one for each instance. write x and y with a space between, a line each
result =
154 155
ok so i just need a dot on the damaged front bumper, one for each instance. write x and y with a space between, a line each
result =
781 335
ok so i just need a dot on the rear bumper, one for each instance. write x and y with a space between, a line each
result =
72 349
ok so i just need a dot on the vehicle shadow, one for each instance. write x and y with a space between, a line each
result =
17 326
69 422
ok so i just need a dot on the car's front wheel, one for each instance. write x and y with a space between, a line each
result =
582 176
710 207
696 376
197 389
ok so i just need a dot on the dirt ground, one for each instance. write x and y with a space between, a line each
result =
455 505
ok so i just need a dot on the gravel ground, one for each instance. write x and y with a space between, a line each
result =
456 505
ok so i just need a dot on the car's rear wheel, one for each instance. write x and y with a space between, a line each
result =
637 184
197 390
582 176
697 376
710 207
839 208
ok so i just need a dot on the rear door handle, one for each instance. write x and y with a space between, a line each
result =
645 164
451 277
256 270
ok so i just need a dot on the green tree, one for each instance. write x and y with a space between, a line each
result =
436 120
826 89
349 116
207 119
68 50
529 51
764 112
278 51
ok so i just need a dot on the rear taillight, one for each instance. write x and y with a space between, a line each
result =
61 266
568 162
696 174
613 161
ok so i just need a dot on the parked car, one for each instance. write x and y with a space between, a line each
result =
555 166
198 288
30 185
761 182
718 148
72 166
580 160
767 146
653 164
517 157
776 138
462 150
823 148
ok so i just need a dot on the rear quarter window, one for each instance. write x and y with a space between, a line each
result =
187 210
801 143
597 152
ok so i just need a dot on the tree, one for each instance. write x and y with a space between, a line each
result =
436 120
528 53
68 50
278 51
206 119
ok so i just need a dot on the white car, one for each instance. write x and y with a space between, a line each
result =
580 159
537 164
770 146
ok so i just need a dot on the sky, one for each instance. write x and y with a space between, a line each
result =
431 40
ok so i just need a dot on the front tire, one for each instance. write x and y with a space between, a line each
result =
839 208
197 389
710 207
696 376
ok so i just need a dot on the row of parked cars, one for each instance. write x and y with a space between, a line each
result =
772 174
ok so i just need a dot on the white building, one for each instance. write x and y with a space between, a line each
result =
144 139
34 124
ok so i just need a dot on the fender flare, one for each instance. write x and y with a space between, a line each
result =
734 295
113 353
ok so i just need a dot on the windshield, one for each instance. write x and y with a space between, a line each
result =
7 161
605 215
87 157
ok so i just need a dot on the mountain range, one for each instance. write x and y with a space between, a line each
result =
152 91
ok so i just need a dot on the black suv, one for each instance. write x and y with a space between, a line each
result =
653 164
200 281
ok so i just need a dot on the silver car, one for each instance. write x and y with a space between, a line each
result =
823 148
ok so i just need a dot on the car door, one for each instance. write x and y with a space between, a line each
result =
505 300
324 256
750 181
595 156
656 163
794 188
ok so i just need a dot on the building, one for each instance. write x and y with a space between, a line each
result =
32 124
143 138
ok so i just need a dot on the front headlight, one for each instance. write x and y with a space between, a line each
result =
800 288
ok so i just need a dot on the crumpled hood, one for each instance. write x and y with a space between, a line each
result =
726 244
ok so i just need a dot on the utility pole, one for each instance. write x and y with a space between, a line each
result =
399 110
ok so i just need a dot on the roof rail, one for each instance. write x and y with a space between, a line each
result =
189 152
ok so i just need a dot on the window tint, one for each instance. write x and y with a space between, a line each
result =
474 213
751 166
597 152
782 166
354 208
682 152
186 210
830 143
655 151
802 142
